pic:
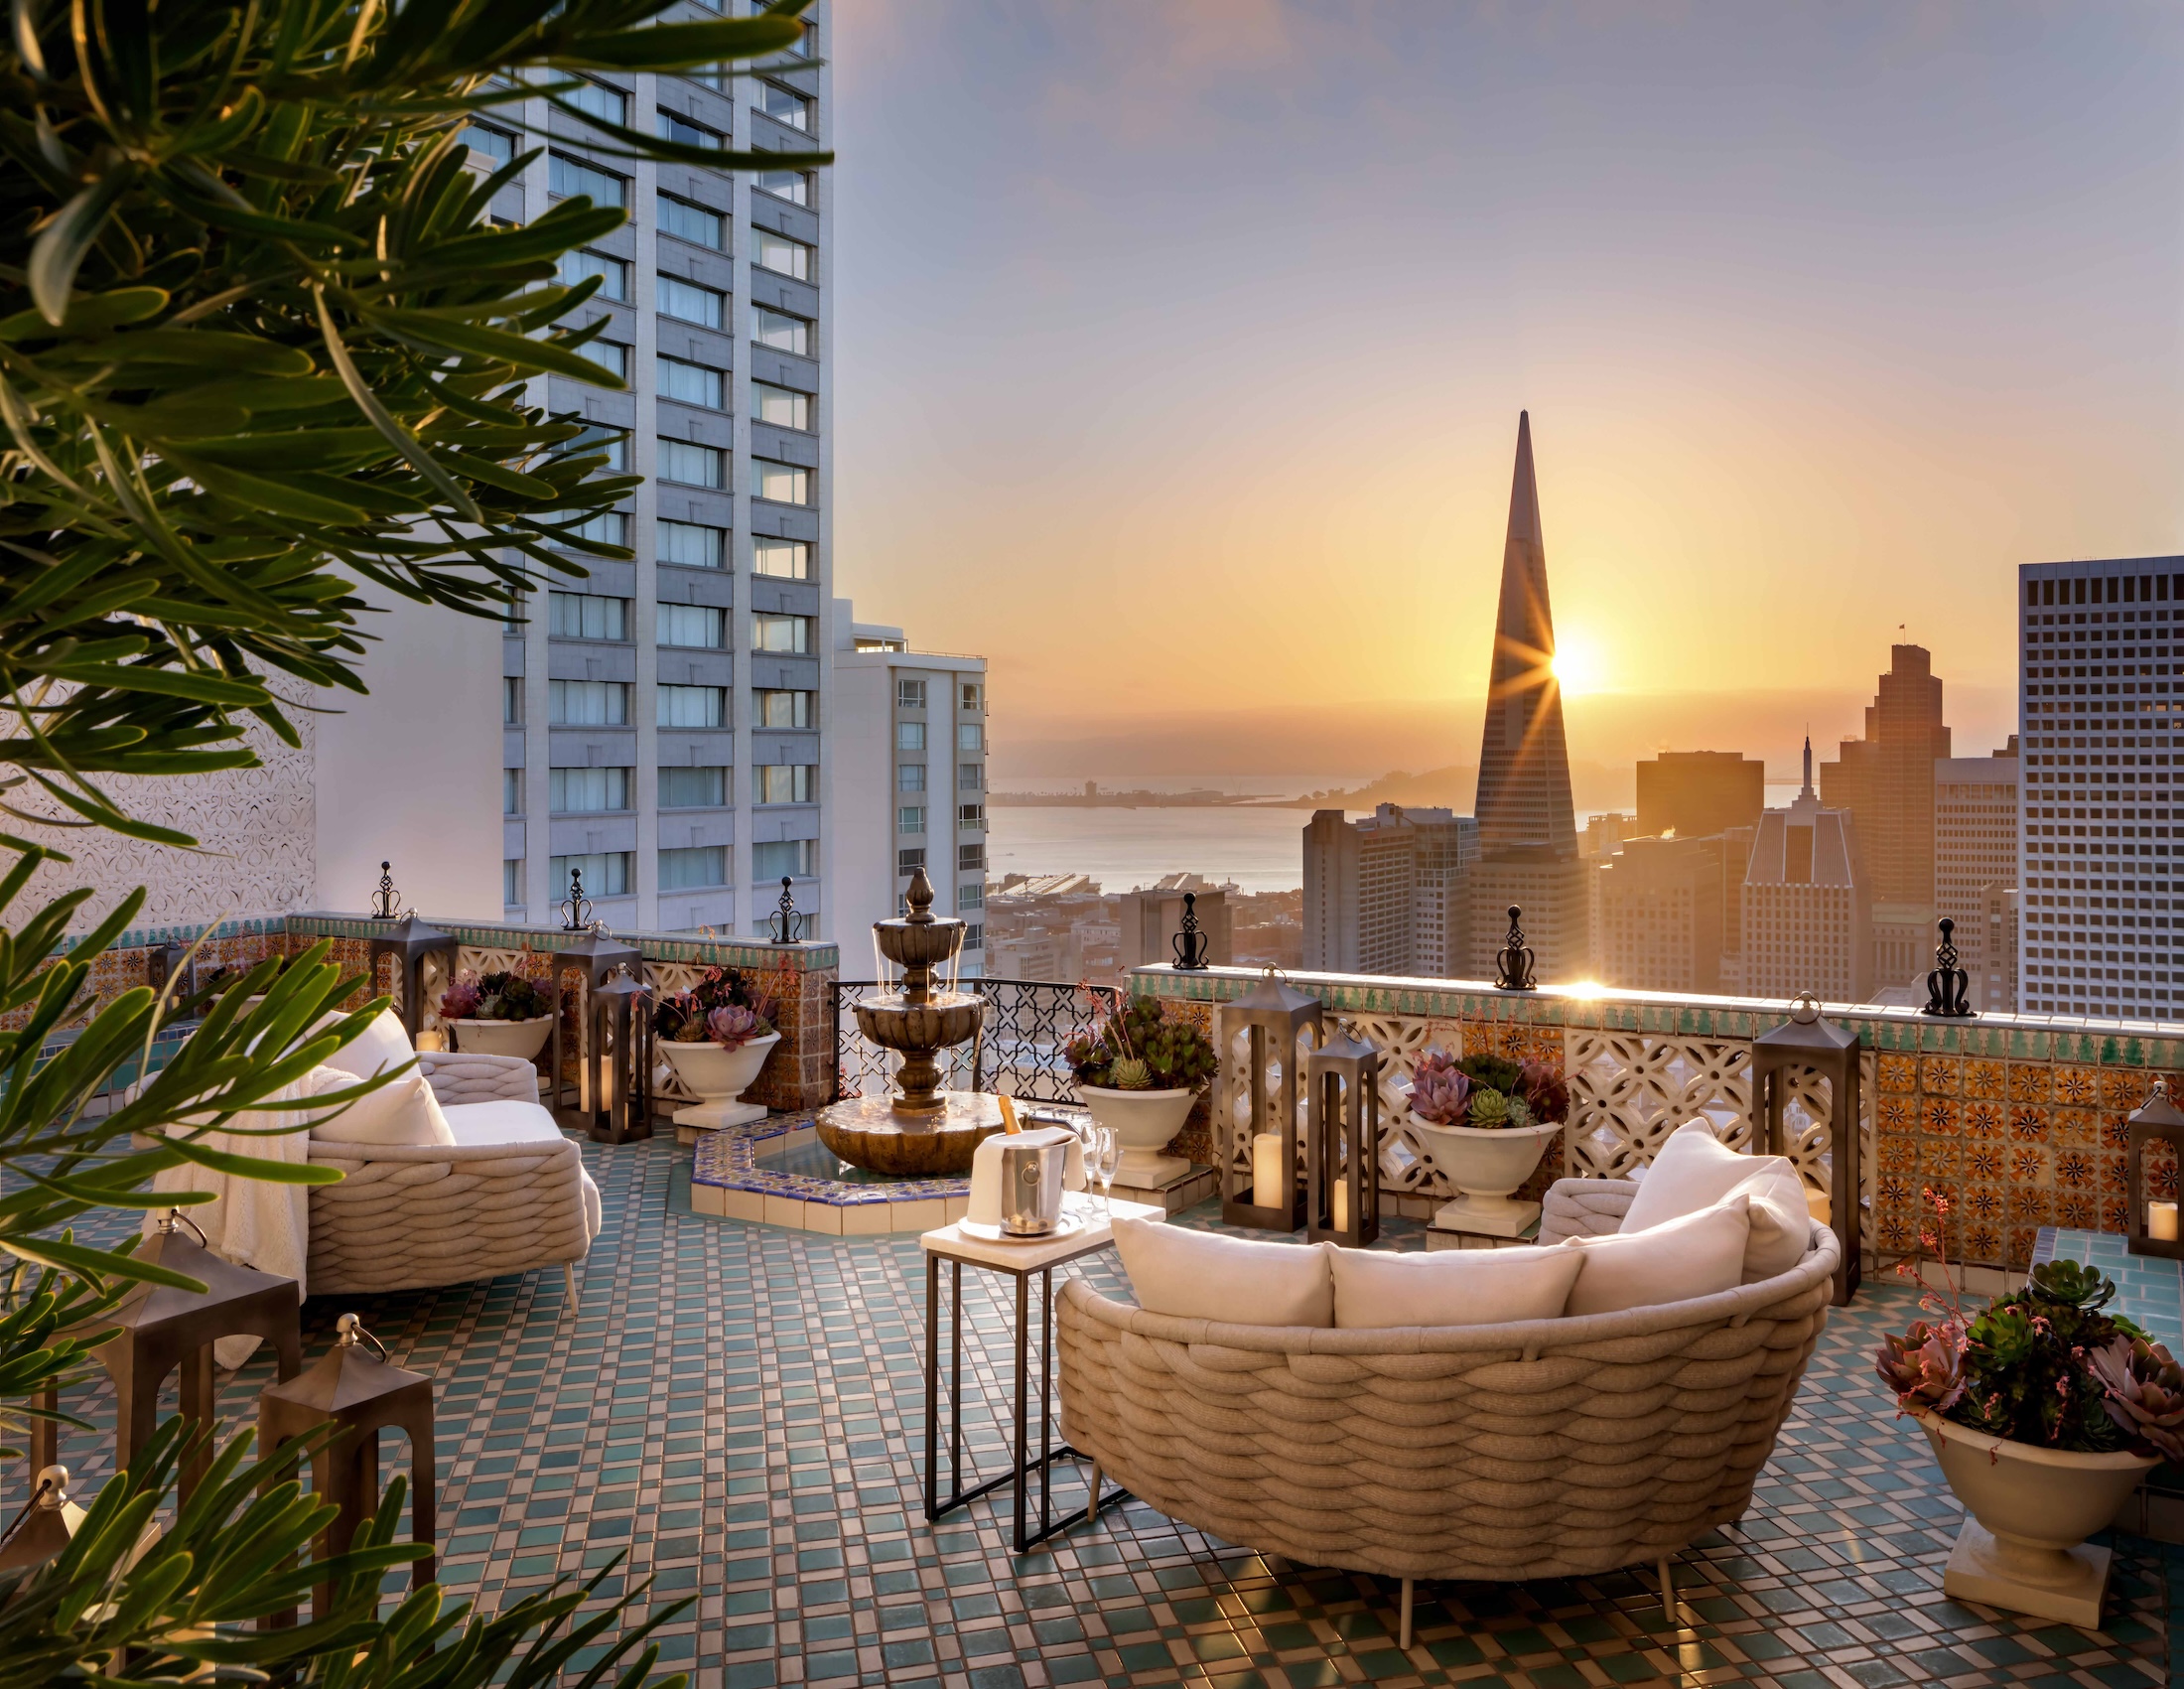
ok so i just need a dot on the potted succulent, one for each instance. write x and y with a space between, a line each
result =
1485 1121
2044 1409
498 1014
1138 1073
715 1036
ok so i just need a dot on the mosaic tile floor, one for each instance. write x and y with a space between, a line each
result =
740 1408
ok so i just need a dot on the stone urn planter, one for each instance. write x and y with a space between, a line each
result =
502 1038
2023 1546
1487 1166
1143 1123
719 1077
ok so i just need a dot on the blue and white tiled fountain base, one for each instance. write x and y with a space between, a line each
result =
777 1171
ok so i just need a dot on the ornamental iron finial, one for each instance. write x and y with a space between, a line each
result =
1949 987
1191 944
386 902
786 924
1513 964
575 908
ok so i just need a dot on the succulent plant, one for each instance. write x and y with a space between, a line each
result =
1544 1089
1440 1091
460 1001
1520 1112
1175 1054
683 1015
510 997
1489 1109
2144 1392
1922 1366
733 1025
1129 1073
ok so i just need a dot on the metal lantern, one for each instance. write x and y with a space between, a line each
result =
1342 1144
42 1529
1271 1019
594 957
786 925
1805 1041
2157 1120
169 964
362 1395
1949 987
1513 962
617 1058
1189 945
409 940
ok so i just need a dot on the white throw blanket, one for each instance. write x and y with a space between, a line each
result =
251 1223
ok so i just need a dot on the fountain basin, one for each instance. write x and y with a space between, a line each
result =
896 1022
870 1132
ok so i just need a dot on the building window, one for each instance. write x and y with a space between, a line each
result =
695 626
910 818
693 789
692 706
782 331
909 736
780 254
610 443
693 869
974 934
690 383
685 133
783 105
910 861
611 355
794 185
692 466
686 222
909 776
608 527
692 546
797 858
785 783
785 483
969 776
785 559
786 635
511 881
909 694
782 709
606 874
599 99
970 736
687 302
587 791
613 275
974 696
587 616
784 407
511 700
496 144
588 703
971 896
970 814
512 791
567 178
968 857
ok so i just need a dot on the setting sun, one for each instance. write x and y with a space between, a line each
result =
1577 666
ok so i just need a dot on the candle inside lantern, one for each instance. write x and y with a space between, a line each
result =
2162 1221
1342 1204
1817 1203
1270 1185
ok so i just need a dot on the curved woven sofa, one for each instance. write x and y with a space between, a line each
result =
412 1217
1543 1448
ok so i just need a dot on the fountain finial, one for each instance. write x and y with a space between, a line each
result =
920 899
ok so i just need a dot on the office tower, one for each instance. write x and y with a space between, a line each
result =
1975 850
1660 919
1886 779
664 718
908 785
1808 905
1697 793
1387 895
1528 834
1995 987
2098 706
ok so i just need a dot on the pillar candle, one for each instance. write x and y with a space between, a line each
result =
2162 1221
1342 1204
1270 1185
1820 1208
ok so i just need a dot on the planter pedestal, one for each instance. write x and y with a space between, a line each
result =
2065 1583
1486 1165
1486 1217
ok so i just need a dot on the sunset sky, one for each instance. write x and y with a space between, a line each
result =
1179 352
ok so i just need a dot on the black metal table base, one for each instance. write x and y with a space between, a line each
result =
1026 1464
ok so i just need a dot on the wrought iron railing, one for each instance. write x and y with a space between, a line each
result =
1017 1051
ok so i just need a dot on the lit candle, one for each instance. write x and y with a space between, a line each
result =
1270 1185
2162 1221
1817 1205
1342 1204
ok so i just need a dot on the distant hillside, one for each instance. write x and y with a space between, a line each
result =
1452 788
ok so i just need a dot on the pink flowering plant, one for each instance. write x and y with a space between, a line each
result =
2047 1365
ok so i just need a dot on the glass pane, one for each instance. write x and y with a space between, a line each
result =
692 544
784 408
686 222
689 303
693 789
789 559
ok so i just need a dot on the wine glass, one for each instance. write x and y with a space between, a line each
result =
1107 1154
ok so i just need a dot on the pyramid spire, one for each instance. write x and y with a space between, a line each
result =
1524 761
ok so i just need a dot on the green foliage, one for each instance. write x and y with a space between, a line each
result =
1495 1072
1175 1054
1490 1109
1129 1073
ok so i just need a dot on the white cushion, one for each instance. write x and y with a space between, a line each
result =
383 1044
500 1121
1199 1275
1696 1170
1452 1286
1698 1255
402 1111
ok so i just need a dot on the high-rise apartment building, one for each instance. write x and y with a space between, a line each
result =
664 718
2101 645
1975 852
1660 915
1807 904
1527 833
1387 895
1695 794
908 783
1886 779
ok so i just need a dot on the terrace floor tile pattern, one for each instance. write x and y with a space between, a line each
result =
739 1409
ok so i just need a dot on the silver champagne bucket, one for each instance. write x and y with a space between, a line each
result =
1031 1170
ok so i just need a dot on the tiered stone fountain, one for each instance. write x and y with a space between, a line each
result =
921 1131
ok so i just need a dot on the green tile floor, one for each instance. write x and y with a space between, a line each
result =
740 1408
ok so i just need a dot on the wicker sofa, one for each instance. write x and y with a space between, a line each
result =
508 1195
1548 1447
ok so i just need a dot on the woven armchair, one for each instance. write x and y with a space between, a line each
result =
1545 1448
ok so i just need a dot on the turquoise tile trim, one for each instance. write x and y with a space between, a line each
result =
657 947
729 1159
147 937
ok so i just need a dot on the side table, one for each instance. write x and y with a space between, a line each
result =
1019 1261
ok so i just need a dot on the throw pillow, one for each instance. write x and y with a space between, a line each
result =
1200 1275
402 1111
1452 1286
383 1044
1679 1259
1696 1170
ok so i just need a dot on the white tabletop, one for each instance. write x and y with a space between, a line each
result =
954 1244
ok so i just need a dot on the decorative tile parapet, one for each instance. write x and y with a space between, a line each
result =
729 1181
753 955
2019 1119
